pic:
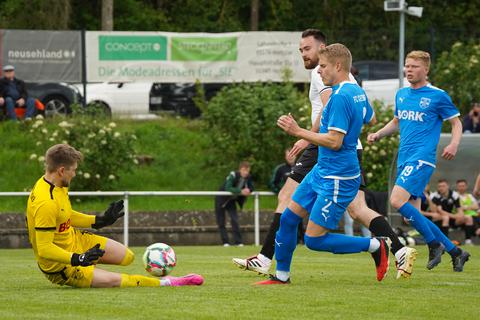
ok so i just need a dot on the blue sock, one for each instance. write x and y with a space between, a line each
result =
337 243
286 239
418 221
441 237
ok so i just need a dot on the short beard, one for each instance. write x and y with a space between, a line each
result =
65 183
311 65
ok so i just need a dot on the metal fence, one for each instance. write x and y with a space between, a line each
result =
127 194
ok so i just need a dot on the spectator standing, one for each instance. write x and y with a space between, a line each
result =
471 121
15 94
240 184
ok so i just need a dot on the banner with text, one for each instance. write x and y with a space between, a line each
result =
187 57
42 55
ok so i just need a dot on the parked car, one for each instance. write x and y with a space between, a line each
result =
178 97
376 69
119 98
379 79
56 97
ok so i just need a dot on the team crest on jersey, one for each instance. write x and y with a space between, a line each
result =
425 103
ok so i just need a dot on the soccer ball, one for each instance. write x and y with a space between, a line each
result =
159 259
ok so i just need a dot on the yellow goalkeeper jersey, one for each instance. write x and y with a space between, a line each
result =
50 222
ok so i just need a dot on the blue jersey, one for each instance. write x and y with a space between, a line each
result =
346 112
420 113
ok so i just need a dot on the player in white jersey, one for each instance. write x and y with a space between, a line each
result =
312 40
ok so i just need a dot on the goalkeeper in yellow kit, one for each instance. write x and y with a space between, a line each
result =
67 255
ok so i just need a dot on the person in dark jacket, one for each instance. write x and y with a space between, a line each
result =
240 184
281 173
15 94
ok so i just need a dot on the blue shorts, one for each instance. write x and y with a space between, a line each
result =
414 177
326 199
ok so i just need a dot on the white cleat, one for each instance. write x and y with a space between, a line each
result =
253 264
405 259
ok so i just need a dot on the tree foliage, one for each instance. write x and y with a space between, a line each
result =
241 121
458 72
369 31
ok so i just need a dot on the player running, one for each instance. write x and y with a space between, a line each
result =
66 255
312 40
333 183
419 112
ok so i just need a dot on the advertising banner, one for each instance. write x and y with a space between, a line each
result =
42 56
187 57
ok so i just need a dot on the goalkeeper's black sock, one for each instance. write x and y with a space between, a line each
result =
380 227
268 248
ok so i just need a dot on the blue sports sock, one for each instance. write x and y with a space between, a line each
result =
418 221
286 239
337 243
440 236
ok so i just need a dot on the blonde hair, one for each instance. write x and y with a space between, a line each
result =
420 55
337 52
61 155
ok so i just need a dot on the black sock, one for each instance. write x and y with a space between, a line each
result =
268 248
380 227
469 232
444 230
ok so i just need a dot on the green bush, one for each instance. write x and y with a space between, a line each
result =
107 151
377 158
241 122
458 72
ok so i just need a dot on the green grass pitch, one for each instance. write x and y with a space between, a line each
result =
324 286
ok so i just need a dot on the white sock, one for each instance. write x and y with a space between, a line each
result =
374 245
165 282
282 275
264 259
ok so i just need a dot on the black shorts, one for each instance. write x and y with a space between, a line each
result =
305 163
308 159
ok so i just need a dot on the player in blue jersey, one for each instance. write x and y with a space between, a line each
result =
333 182
419 112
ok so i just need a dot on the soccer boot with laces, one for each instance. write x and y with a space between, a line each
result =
380 256
459 261
253 263
435 256
405 259
272 280
188 280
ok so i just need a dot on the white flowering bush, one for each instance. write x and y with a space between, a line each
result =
377 158
458 72
107 151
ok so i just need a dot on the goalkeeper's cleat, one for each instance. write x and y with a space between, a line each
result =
272 280
435 256
188 280
459 261
253 263
406 258
381 258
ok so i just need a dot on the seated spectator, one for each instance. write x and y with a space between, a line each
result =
15 94
476 188
469 205
240 184
426 206
446 202
471 121
281 173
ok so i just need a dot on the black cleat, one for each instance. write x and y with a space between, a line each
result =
435 256
459 261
